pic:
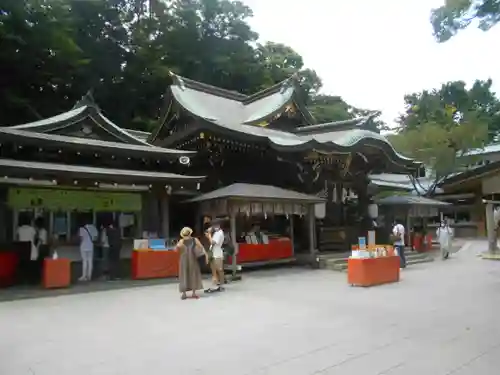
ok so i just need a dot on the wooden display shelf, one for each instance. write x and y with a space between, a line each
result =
373 271
155 264
56 273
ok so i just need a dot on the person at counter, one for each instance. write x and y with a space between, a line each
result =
41 238
115 245
88 234
28 260
256 234
41 244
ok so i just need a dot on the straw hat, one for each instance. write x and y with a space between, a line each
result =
186 232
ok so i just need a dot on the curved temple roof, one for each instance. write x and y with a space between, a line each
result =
238 115
251 110
86 111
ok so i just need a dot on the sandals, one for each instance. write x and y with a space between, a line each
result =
184 297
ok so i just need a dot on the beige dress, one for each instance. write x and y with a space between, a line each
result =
189 268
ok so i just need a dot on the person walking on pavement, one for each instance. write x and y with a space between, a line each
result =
444 234
398 235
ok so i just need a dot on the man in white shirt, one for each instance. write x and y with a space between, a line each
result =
217 241
398 231
88 234
26 233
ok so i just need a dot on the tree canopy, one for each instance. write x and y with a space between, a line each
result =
456 15
441 125
53 51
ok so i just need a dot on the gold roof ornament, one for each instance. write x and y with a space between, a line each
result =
347 164
290 108
263 124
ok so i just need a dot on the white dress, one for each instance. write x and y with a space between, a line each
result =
444 235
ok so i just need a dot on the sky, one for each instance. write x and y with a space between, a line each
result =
373 52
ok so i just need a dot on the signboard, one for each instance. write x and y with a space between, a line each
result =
80 200
362 243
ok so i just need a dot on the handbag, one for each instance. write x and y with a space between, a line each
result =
198 249
394 238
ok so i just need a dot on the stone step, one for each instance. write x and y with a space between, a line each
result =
340 264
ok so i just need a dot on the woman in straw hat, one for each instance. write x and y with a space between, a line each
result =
189 270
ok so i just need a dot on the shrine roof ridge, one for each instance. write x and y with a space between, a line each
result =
180 81
410 200
357 122
212 103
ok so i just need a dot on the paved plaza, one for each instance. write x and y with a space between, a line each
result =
442 318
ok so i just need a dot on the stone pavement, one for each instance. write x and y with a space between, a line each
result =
442 318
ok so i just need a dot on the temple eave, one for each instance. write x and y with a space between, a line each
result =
24 137
19 168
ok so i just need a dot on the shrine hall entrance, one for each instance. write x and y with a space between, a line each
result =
181 215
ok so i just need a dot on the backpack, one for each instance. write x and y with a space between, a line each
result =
95 240
36 239
227 246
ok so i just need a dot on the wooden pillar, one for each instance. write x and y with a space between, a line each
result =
292 236
232 226
151 209
198 225
408 232
165 215
491 228
312 231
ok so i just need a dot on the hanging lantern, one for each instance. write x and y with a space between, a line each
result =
373 210
320 210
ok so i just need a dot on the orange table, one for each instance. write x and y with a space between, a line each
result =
373 271
8 267
418 242
56 273
274 250
154 264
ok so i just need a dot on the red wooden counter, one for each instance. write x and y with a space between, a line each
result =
274 250
154 264
420 245
373 271
56 273
8 267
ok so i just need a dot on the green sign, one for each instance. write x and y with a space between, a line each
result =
80 200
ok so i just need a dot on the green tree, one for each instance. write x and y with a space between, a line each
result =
53 51
38 56
457 15
438 105
442 146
